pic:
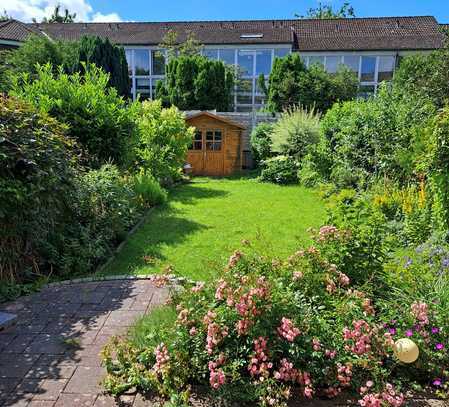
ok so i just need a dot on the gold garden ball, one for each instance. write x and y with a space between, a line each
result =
406 350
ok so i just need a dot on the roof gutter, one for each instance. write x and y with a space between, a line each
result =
10 42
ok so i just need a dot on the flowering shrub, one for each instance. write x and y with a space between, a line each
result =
270 330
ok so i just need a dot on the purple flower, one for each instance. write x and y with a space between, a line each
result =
439 346
435 330
392 331
408 262
445 262
437 382
408 332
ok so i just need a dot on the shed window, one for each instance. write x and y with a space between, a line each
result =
213 140
197 141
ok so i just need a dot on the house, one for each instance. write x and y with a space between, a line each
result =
371 47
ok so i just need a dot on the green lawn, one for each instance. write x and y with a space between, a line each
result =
206 220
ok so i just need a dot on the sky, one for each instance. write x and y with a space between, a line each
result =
181 10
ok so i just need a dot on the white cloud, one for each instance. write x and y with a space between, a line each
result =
106 18
26 10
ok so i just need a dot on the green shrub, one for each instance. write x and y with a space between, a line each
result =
374 138
283 84
319 89
295 133
110 58
438 162
194 82
103 207
292 84
261 142
163 139
36 50
37 163
147 190
425 76
268 330
280 170
97 117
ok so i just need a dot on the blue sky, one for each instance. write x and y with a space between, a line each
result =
156 10
172 10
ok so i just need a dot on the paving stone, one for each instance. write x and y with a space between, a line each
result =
14 365
6 339
19 343
47 343
76 400
89 361
28 387
18 401
50 389
109 401
86 380
41 403
54 371
51 372
35 327
123 318
7 385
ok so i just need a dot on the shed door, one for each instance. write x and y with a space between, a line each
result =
206 154
213 152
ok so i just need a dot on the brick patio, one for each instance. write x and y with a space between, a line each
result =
51 357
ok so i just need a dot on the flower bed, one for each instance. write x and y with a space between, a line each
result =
310 327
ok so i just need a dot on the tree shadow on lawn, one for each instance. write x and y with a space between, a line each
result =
165 226
191 193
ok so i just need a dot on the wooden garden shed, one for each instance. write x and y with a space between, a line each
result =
216 149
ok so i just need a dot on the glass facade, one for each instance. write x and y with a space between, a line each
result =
147 66
370 69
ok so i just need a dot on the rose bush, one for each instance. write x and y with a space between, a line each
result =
269 330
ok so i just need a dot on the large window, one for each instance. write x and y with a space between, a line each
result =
158 62
227 56
386 68
211 53
141 62
368 71
316 60
263 62
129 60
332 63
352 62
245 62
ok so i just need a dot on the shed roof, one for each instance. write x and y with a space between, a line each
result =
194 114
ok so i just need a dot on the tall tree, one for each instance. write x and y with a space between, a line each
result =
292 84
67 17
111 58
4 16
196 83
326 11
175 48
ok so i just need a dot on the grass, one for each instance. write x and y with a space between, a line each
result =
206 220
153 328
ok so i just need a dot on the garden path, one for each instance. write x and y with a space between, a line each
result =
51 357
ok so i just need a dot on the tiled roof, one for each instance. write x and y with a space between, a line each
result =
207 32
13 30
382 33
